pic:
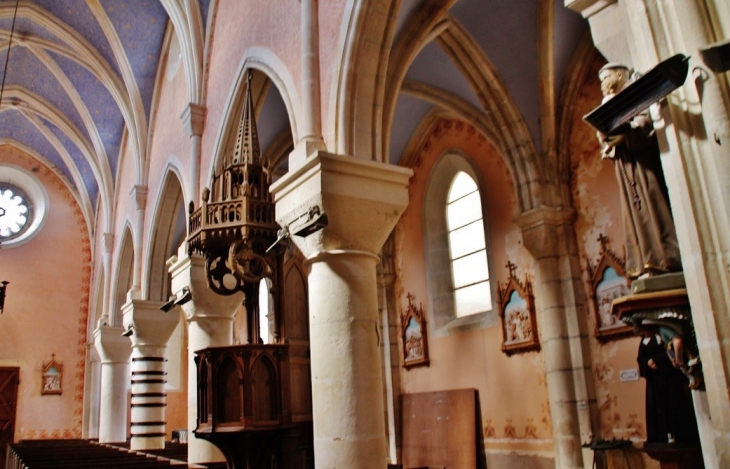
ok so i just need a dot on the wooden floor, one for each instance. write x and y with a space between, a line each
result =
89 454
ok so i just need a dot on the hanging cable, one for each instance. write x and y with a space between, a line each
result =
7 56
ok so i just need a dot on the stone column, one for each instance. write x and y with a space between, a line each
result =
310 139
151 329
390 322
210 323
193 118
362 200
114 351
139 195
548 235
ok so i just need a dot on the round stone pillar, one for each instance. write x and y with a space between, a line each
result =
210 324
549 236
114 351
150 329
347 382
362 201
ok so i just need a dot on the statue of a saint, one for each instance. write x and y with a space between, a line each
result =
651 240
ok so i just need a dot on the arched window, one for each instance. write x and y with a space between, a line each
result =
264 310
457 247
467 247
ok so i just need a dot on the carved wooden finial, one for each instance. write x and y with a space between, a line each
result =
512 268
603 239
410 297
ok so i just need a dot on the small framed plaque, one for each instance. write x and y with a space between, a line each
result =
52 379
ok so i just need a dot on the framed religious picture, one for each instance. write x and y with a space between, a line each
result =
517 312
608 283
414 336
52 378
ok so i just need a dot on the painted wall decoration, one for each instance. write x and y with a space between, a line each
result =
52 377
608 283
413 334
517 311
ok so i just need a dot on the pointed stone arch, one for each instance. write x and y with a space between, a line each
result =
168 231
360 65
499 118
580 64
268 70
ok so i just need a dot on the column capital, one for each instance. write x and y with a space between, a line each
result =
544 230
151 326
587 8
112 347
107 240
139 194
362 199
189 271
193 118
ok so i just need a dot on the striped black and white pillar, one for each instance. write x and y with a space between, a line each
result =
149 330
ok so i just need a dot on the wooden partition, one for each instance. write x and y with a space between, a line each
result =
440 429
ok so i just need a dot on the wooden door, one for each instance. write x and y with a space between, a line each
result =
8 398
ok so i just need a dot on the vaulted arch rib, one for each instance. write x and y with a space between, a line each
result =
499 116
139 118
188 23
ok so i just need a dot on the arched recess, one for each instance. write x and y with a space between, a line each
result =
265 389
229 404
267 70
168 232
124 275
444 319
499 118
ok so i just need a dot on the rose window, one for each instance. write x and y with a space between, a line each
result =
14 212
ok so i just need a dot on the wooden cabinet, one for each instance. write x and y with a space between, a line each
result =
244 406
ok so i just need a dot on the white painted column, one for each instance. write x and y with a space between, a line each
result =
347 383
114 351
310 139
151 329
193 118
210 324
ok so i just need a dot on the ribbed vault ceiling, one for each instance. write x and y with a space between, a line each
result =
82 73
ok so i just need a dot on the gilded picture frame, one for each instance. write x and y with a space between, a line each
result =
52 377
414 335
517 315
608 283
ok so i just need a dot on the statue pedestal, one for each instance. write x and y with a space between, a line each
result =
675 457
656 300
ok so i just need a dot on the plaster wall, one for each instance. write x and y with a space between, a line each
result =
596 199
46 309
512 390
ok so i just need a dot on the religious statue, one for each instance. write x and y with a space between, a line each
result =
670 415
651 240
